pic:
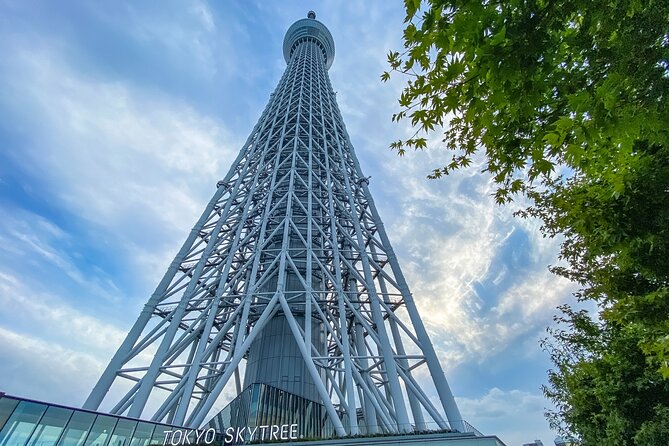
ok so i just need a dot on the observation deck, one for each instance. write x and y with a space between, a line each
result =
309 29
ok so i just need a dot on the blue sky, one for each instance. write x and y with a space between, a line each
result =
118 118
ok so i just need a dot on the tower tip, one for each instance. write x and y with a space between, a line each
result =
311 15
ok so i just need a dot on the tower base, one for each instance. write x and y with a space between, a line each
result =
436 439
262 412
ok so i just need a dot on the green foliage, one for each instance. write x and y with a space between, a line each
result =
536 84
603 388
567 102
607 384
655 431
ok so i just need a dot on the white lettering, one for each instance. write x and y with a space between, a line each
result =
207 438
229 434
252 433
240 435
237 434
186 440
166 434
198 435
174 434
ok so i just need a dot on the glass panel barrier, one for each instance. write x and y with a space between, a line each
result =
159 434
122 433
77 429
50 427
7 406
142 435
101 430
31 423
21 424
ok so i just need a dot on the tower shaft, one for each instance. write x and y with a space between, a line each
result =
288 280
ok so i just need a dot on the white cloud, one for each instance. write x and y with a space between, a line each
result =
130 162
42 314
201 10
452 236
515 416
187 35
537 296
40 367
51 350
135 168
31 239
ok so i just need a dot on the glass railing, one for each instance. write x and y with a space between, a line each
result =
261 413
25 422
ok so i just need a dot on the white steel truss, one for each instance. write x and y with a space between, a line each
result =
291 232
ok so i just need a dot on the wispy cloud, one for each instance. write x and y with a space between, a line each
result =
128 161
515 416
132 168
33 311
36 364
470 261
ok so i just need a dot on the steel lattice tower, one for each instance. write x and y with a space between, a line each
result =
287 279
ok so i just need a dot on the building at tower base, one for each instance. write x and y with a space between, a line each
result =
25 422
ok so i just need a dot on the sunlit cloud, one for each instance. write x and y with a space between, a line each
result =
515 416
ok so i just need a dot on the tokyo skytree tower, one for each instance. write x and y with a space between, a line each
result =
286 287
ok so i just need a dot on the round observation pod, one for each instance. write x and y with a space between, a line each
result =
313 30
